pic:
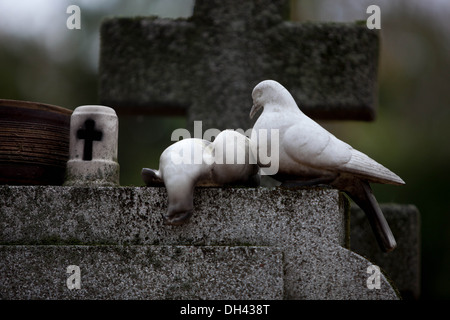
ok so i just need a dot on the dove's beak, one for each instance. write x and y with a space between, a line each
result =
254 110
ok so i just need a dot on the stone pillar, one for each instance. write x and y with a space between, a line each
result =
93 147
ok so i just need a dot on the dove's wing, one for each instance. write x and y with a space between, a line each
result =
362 165
310 144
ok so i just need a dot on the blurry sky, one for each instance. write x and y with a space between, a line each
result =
44 21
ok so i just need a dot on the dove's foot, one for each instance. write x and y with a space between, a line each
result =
178 218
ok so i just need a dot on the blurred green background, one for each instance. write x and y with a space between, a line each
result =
41 60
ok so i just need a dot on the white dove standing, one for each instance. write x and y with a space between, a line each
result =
309 154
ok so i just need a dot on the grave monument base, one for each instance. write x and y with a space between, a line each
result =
241 243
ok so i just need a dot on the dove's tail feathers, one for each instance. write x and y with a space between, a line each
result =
363 196
367 168
152 178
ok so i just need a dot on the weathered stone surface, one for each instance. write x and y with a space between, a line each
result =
403 264
94 132
208 64
142 272
309 226
319 270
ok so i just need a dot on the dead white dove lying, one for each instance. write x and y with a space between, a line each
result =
309 155
197 162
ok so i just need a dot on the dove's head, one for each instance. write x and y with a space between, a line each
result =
270 92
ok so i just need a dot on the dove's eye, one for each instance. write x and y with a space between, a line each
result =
258 94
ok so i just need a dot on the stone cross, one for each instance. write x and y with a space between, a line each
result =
89 134
207 65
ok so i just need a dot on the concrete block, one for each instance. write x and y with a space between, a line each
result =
403 265
94 132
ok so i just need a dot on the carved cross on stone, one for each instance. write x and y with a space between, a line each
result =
89 134
207 65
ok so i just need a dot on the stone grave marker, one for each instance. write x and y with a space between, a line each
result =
206 66
93 147
241 243
403 264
